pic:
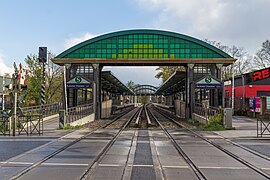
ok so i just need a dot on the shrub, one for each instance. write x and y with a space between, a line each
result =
215 123
69 127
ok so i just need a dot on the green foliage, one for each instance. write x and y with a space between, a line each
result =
53 81
69 127
130 84
192 121
166 71
215 123
33 92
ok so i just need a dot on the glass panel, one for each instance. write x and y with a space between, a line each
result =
143 46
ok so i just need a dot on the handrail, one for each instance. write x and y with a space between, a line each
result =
79 112
45 110
206 112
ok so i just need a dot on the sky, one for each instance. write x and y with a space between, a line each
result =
26 25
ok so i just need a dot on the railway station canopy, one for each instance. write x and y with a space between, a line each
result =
143 47
175 83
112 84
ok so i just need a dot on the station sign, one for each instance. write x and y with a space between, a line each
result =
261 74
79 82
255 104
208 82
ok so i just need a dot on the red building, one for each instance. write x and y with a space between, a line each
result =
249 85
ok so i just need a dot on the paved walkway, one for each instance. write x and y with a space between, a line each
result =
245 133
11 146
244 128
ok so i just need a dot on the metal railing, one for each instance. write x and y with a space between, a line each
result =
205 112
45 110
4 123
30 124
78 112
263 125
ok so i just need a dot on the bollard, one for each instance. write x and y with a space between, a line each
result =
62 119
227 120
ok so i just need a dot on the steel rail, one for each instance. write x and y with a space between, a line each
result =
87 172
36 164
138 117
195 169
147 116
251 166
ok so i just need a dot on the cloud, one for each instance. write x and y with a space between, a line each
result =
4 68
138 74
75 40
240 23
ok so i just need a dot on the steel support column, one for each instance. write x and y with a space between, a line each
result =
189 90
97 90
220 91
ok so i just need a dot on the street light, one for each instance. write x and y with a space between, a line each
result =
66 66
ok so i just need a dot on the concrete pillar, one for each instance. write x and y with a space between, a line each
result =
121 100
97 90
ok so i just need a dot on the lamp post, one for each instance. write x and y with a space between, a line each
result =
233 88
243 92
3 94
66 66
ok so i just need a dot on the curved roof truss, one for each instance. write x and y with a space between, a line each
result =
143 47
145 90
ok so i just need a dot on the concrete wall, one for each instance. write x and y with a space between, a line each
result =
199 118
180 108
84 120
106 108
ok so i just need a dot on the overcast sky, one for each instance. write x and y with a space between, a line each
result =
27 24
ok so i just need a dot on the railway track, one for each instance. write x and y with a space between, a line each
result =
153 121
123 124
161 116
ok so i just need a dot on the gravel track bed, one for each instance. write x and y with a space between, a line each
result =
97 123
117 124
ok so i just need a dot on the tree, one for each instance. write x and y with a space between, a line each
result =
7 75
130 84
166 71
33 92
243 63
54 78
53 81
262 57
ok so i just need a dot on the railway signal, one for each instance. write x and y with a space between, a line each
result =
42 56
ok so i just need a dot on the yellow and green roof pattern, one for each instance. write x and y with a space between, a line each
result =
143 44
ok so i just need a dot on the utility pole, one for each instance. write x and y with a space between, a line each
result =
15 91
3 94
233 88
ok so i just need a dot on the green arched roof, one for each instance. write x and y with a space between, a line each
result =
142 44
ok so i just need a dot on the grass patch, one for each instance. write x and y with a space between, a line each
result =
69 127
215 123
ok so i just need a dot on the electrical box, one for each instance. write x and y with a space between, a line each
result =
227 118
